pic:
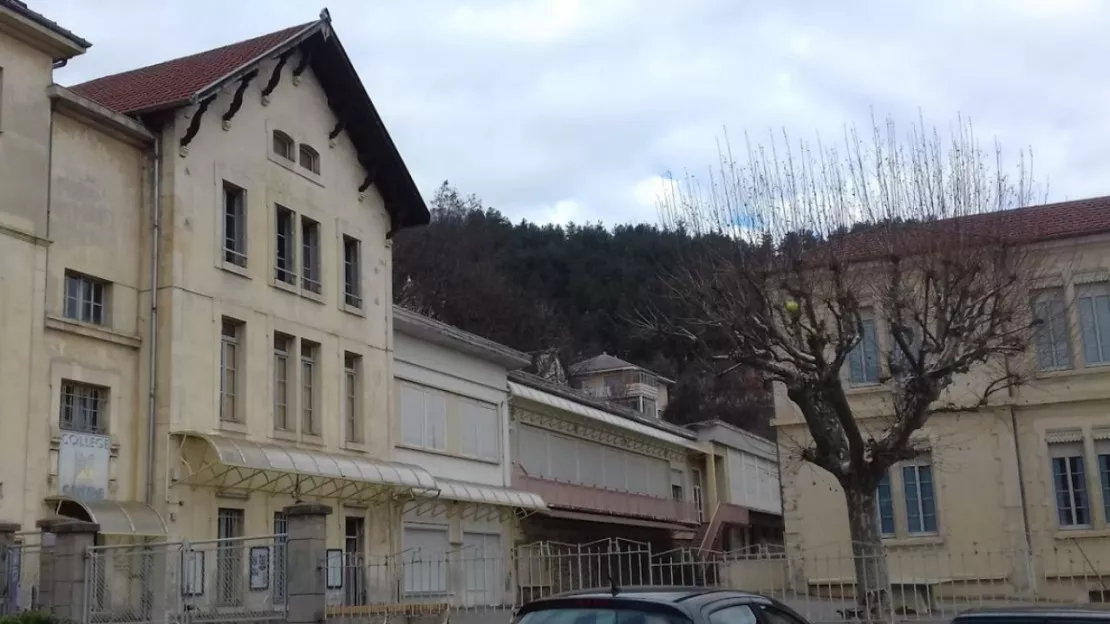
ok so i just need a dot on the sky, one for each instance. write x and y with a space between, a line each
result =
562 111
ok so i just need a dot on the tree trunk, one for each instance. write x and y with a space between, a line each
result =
868 555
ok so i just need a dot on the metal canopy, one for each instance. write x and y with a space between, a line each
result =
128 518
235 464
480 493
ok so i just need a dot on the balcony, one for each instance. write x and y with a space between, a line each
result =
601 500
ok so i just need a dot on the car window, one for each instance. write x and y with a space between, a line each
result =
772 615
736 614
598 616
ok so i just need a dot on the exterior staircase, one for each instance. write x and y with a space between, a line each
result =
709 533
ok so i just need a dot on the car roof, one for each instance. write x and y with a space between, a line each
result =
679 598
1094 611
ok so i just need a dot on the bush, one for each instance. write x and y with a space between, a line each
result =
31 617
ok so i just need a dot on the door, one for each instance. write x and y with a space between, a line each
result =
230 566
354 577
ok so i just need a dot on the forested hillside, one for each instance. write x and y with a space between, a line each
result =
577 289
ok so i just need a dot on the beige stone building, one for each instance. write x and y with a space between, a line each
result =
252 188
1012 500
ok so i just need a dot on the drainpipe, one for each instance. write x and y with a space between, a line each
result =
1020 465
152 332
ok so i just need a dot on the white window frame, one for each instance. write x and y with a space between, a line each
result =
1055 326
867 318
1068 451
426 573
1088 298
428 440
86 299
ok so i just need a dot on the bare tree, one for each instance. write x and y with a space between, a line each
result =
883 261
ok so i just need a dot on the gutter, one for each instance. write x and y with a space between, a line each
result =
152 332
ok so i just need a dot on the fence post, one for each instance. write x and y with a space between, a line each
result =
8 585
65 596
306 562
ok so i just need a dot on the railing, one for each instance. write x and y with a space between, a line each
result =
23 560
573 495
243 580
235 580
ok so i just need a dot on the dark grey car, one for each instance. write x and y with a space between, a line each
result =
657 605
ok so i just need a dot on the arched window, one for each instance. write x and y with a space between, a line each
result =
310 158
284 145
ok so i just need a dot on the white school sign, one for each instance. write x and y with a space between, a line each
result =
83 465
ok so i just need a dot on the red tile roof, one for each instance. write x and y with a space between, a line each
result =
1030 224
174 82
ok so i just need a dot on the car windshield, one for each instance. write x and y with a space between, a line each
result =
598 616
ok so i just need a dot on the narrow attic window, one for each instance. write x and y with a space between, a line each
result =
284 146
310 159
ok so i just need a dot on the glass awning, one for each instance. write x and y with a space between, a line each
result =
126 518
236 464
466 492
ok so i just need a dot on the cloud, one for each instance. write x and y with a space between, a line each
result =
569 109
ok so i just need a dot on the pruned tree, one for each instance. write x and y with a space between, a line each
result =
885 260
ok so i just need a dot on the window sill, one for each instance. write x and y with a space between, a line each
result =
286 286
1081 533
315 297
910 541
350 309
96 332
293 167
355 447
1077 371
233 426
446 453
286 435
864 388
234 268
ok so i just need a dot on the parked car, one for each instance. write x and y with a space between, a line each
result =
1035 615
657 605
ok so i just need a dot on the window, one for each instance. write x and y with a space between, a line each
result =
231 336
772 615
86 299
650 408
1051 341
863 361
83 408
548 455
352 272
354 545
310 255
1070 484
678 480
282 345
425 564
310 159
423 417
1094 322
235 225
284 146
285 246
479 433
736 614
483 569
898 359
230 568
921 512
352 383
885 503
591 615
309 421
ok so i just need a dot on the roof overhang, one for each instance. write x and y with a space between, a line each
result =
559 403
89 112
242 466
35 30
115 518
418 326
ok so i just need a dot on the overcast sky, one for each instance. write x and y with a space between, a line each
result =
573 110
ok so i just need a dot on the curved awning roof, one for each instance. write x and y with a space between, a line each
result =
467 492
245 465
130 518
